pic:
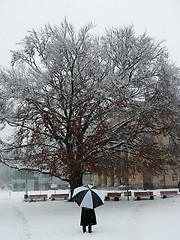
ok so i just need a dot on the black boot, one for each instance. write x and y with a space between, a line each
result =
89 229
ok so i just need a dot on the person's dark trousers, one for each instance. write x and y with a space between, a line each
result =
84 229
89 229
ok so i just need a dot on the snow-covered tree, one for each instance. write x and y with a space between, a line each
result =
81 103
145 92
57 102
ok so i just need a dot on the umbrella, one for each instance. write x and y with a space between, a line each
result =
88 197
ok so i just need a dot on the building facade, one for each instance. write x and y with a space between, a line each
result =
167 179
32 181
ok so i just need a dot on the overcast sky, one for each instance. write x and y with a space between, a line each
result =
160 19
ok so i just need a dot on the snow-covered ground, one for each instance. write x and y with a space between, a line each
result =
50 220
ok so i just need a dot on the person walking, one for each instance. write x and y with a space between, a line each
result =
88 218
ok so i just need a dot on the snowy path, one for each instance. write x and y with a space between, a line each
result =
13 225
51 220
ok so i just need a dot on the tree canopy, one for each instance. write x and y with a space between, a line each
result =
85 103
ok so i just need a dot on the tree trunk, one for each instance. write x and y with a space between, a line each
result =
75 181
147 181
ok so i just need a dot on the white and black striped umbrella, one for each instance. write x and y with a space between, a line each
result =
88 197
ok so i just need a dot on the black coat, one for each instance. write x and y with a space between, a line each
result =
88 217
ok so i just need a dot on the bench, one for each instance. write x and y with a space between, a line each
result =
42 197
59 196
166 194
141 195
115 195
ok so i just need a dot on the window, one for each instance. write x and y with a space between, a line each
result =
174 177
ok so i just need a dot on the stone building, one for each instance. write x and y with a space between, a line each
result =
167 178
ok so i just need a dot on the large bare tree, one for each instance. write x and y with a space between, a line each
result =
145 90
81 103
56 102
